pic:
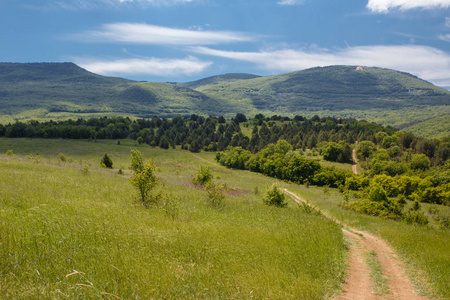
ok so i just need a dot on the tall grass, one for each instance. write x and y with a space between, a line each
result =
65 233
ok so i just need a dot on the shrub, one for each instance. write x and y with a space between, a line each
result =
9 152
145 181
203 176
106 161
275 196
170 205
415 217
216 195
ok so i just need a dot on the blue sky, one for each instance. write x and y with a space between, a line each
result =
184 40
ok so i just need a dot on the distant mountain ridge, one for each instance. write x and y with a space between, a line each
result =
62 90
218 79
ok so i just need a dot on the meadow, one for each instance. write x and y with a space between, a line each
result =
71 229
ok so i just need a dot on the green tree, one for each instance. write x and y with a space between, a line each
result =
106 161
145 180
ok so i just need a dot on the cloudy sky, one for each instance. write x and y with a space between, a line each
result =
184 40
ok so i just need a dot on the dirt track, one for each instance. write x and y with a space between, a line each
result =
355 161
358 284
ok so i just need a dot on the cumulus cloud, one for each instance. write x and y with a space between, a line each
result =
423 61
138 33
290 2
145 66
384 6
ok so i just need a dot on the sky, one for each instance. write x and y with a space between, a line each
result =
185 40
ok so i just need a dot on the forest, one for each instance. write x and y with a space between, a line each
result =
398 166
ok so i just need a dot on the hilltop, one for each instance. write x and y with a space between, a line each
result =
63 90
213 80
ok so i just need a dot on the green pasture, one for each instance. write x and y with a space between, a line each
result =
70 229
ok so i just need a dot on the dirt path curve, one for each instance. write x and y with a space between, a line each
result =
355 161
358 284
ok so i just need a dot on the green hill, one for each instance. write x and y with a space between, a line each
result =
213 80
54 90
332 88
64 90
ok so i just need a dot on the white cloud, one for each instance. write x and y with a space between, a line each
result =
290 2
383 6
426 62
147 66
445 37
150 34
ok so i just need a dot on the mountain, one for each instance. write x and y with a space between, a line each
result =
333 88
213 80
63 90
52 90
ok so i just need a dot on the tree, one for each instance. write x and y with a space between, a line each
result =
240 118
106 161
145 180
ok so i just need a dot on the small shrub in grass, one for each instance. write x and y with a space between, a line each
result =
62 157
443 221
85 169
170 205
9 152
203 176
309 209
415 217
106 162
215 194
275 197
120 172
145 181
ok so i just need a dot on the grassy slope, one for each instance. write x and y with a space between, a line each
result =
67 234
213 80
424 250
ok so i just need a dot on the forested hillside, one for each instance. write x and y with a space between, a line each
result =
45 91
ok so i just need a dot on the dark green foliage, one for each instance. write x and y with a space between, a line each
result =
337 152
106 161
275 197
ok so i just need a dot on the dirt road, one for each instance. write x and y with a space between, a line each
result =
355 161
358 284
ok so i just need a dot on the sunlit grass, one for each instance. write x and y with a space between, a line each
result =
66 233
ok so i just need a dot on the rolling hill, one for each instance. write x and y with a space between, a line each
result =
213 80
63 90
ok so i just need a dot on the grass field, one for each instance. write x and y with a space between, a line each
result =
70 229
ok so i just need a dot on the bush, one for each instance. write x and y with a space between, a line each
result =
145 181
203 176
415 217
106 162
216 195
9 152
275 196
